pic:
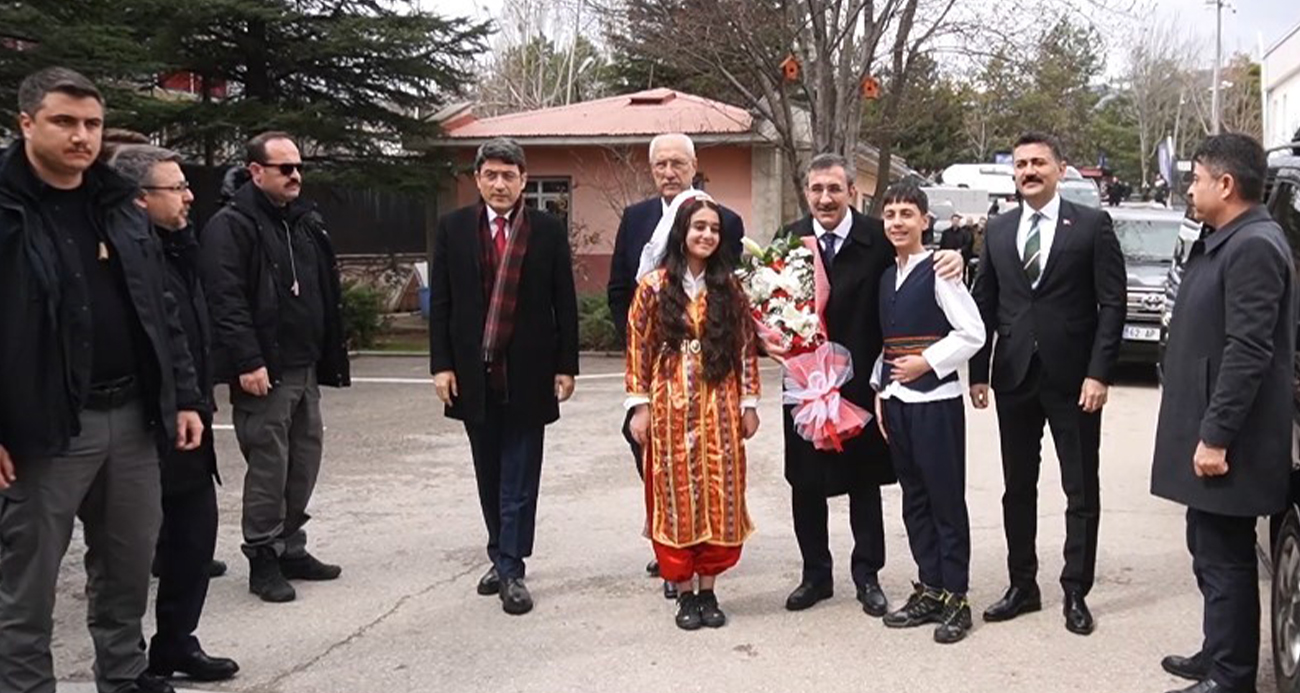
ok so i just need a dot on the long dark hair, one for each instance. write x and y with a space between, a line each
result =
726 322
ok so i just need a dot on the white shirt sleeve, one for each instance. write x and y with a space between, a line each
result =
967 335
876 375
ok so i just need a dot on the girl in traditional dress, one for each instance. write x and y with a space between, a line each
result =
692 379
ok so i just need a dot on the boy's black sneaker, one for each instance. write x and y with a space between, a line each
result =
924 606
956 621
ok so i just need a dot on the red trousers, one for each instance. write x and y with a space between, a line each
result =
680 565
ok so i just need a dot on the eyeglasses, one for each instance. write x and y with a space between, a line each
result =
178 188
285 169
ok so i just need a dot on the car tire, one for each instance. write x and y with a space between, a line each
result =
1285 601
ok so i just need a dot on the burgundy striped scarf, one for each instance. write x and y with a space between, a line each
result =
501 289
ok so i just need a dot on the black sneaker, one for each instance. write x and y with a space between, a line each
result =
924 606
956 621
688 612
710 615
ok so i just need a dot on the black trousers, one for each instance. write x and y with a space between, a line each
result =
186 544
1021 415
811 516
927 443
1223 560
508 468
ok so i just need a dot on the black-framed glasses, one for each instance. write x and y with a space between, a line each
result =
286 169
178 188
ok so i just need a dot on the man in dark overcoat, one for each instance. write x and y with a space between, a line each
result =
1223 443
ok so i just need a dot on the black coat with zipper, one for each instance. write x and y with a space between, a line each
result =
185 470
242 274
45 328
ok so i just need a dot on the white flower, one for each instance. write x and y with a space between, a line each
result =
750 246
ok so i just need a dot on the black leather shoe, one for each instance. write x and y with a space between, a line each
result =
670 589
652 569
1194 668
1206 686
490 583
148 683
873 599
710 614
688 612
808 594
1017 601
196 666
515 599
307 567
216 568
1078 619
924 606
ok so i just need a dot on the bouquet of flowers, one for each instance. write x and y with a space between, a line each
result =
788 289
779 282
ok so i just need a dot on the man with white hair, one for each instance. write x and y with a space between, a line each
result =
673 166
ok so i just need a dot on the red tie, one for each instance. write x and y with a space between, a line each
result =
500 238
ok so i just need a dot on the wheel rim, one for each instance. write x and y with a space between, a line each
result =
1286 608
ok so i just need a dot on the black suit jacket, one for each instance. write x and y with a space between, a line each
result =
1229 372
1074 319
852 320
634 231
545 339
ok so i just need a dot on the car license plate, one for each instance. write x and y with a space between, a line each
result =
1142 333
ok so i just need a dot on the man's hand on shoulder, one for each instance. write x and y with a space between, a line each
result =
948 264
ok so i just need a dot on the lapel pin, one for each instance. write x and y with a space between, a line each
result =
1066 222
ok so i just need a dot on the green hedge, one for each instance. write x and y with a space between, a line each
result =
595 326
363 315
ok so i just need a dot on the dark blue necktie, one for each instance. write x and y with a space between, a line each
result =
828 249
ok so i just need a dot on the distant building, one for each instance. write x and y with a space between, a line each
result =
589 160
1280 80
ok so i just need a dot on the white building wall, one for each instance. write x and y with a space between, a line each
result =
1281 83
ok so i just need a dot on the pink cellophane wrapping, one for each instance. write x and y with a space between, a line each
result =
812 384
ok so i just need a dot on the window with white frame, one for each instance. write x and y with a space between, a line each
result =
550 195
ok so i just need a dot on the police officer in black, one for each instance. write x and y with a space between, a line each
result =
97 379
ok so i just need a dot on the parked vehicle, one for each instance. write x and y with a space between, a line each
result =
1280 546
1079 190
995 179
1147 238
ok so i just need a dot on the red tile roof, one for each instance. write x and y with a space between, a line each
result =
644 113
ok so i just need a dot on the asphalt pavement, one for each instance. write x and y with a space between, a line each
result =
396 505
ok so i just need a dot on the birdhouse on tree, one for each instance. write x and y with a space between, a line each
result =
790 68
870 87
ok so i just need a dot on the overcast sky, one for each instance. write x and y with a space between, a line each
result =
1245 22
1243 27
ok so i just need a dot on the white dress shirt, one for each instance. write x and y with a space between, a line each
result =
841 231
492 223
693 285
1046 231
949 353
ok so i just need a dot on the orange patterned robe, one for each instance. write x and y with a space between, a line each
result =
695 460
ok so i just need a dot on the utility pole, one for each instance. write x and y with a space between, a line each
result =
1218 58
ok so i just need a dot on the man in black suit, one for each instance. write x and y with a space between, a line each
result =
503 334
1223 444
856 254
1051 286
673 166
